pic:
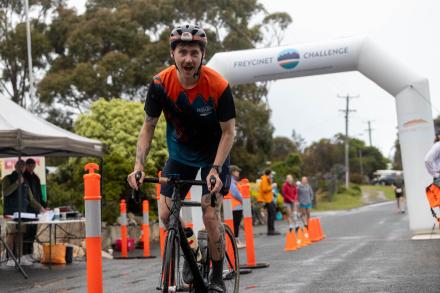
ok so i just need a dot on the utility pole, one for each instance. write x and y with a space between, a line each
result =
361 165
347 119
369 132
29 53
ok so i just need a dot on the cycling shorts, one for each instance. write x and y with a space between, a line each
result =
185 172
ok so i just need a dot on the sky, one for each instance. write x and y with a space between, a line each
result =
407 29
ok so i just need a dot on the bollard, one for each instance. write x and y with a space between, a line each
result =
146 227
229 220
124 240
248 228
145 232
187 213
162 232
92 200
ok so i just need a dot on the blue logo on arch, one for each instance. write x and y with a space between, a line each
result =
288 59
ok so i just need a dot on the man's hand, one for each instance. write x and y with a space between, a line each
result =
218 182
131 178
43 210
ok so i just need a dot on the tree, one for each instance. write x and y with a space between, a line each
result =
291 165
437 124
298 140
114 48
397 159
253 141
116 123
281 147
14 80
325 156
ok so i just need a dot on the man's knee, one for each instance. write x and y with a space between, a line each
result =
210 218
164 216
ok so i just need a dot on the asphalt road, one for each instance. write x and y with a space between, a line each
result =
366 250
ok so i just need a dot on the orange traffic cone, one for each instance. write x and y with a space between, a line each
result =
314 230
321 232
306 236
290 241
300 240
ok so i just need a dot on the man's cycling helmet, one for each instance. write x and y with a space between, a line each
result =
188 33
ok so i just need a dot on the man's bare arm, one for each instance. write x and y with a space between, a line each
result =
226 141
224 147
144 141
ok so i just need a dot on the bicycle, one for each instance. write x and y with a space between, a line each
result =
176 241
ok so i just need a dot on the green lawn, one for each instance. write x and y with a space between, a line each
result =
387 190
353 198
342 201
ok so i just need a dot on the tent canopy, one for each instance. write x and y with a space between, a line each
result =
22 133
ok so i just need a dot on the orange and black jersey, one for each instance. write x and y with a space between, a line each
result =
193 115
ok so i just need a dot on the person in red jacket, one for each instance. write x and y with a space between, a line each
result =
290 195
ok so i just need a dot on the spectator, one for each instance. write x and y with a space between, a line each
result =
290 195
265 195
432 160
398 187
237 203
33 181
305 196
16 190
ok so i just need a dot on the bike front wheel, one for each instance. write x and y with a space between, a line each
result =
170 271
231 267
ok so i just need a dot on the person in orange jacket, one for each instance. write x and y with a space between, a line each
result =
265 195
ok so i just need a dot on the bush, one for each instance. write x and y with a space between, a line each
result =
115 123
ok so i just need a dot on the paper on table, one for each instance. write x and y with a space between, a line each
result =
30 216
46 216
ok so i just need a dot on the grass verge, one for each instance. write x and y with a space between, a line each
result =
352 198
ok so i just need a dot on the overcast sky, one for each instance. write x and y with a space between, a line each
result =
407 29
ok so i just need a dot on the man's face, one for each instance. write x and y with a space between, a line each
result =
19 167
30 168
236 173
188 58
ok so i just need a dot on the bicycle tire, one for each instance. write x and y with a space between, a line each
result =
231 263
169 273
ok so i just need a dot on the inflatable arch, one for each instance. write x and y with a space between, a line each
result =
411 92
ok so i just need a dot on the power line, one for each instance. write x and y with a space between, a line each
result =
347 111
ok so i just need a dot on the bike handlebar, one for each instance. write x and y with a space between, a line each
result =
175 181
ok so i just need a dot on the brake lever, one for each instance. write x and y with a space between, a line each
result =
212 182
136 194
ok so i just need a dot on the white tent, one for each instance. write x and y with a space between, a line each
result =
24 134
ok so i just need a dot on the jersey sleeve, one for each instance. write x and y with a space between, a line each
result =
226 106
153 104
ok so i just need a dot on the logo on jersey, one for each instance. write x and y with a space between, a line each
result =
288 59
205 110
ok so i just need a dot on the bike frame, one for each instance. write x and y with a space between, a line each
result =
200 284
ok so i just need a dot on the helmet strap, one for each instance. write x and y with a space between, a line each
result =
197 73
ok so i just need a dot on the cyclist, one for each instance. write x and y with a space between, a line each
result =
199 110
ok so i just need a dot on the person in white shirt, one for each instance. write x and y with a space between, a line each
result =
432 160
